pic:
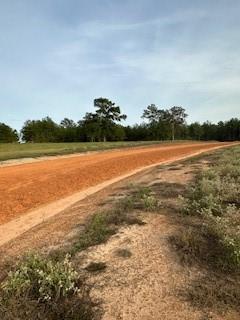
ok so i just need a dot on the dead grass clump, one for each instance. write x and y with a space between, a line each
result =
190 245
213 292
119 217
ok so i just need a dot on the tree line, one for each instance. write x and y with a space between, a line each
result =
105 124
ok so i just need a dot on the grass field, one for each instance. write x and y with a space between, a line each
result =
25 150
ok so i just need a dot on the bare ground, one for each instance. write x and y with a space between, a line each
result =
146 283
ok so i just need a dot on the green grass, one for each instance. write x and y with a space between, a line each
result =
31 150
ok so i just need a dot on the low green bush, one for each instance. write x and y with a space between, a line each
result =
215 188
215 197
149 203
227 230
40 288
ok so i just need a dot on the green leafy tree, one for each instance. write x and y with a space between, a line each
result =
209 131
45 130
68 131
118 133
176 116
108 114
7 134
137 132
90 126
195 131
68 123
152 114
158 122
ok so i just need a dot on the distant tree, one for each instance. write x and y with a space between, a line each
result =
45 130
176 116
27 131
232 129
67 123
108 114
152 114
7 134
195 131
105 124
118 133
68 131
157 119
137 132
90 126
209 131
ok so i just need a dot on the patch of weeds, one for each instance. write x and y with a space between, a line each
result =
119 217
96 266
123 253
149 203
202 244
142 191
203 195
215 198
125 204
97 231
40 288
168 190
227 232
141 198
103 225
190 245
213 292
215 188
144 199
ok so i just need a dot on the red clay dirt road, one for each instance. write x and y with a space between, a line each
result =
27 186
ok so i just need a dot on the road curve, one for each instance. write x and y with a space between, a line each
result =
28 186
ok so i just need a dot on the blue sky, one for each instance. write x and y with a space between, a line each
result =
56 56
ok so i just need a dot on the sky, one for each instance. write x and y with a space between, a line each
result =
56 56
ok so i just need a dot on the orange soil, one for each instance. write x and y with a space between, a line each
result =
27 186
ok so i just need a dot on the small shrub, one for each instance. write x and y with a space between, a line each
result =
142 192
149 203
215 188
144 199
227 231
40 288
126 204
42 279
215 197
